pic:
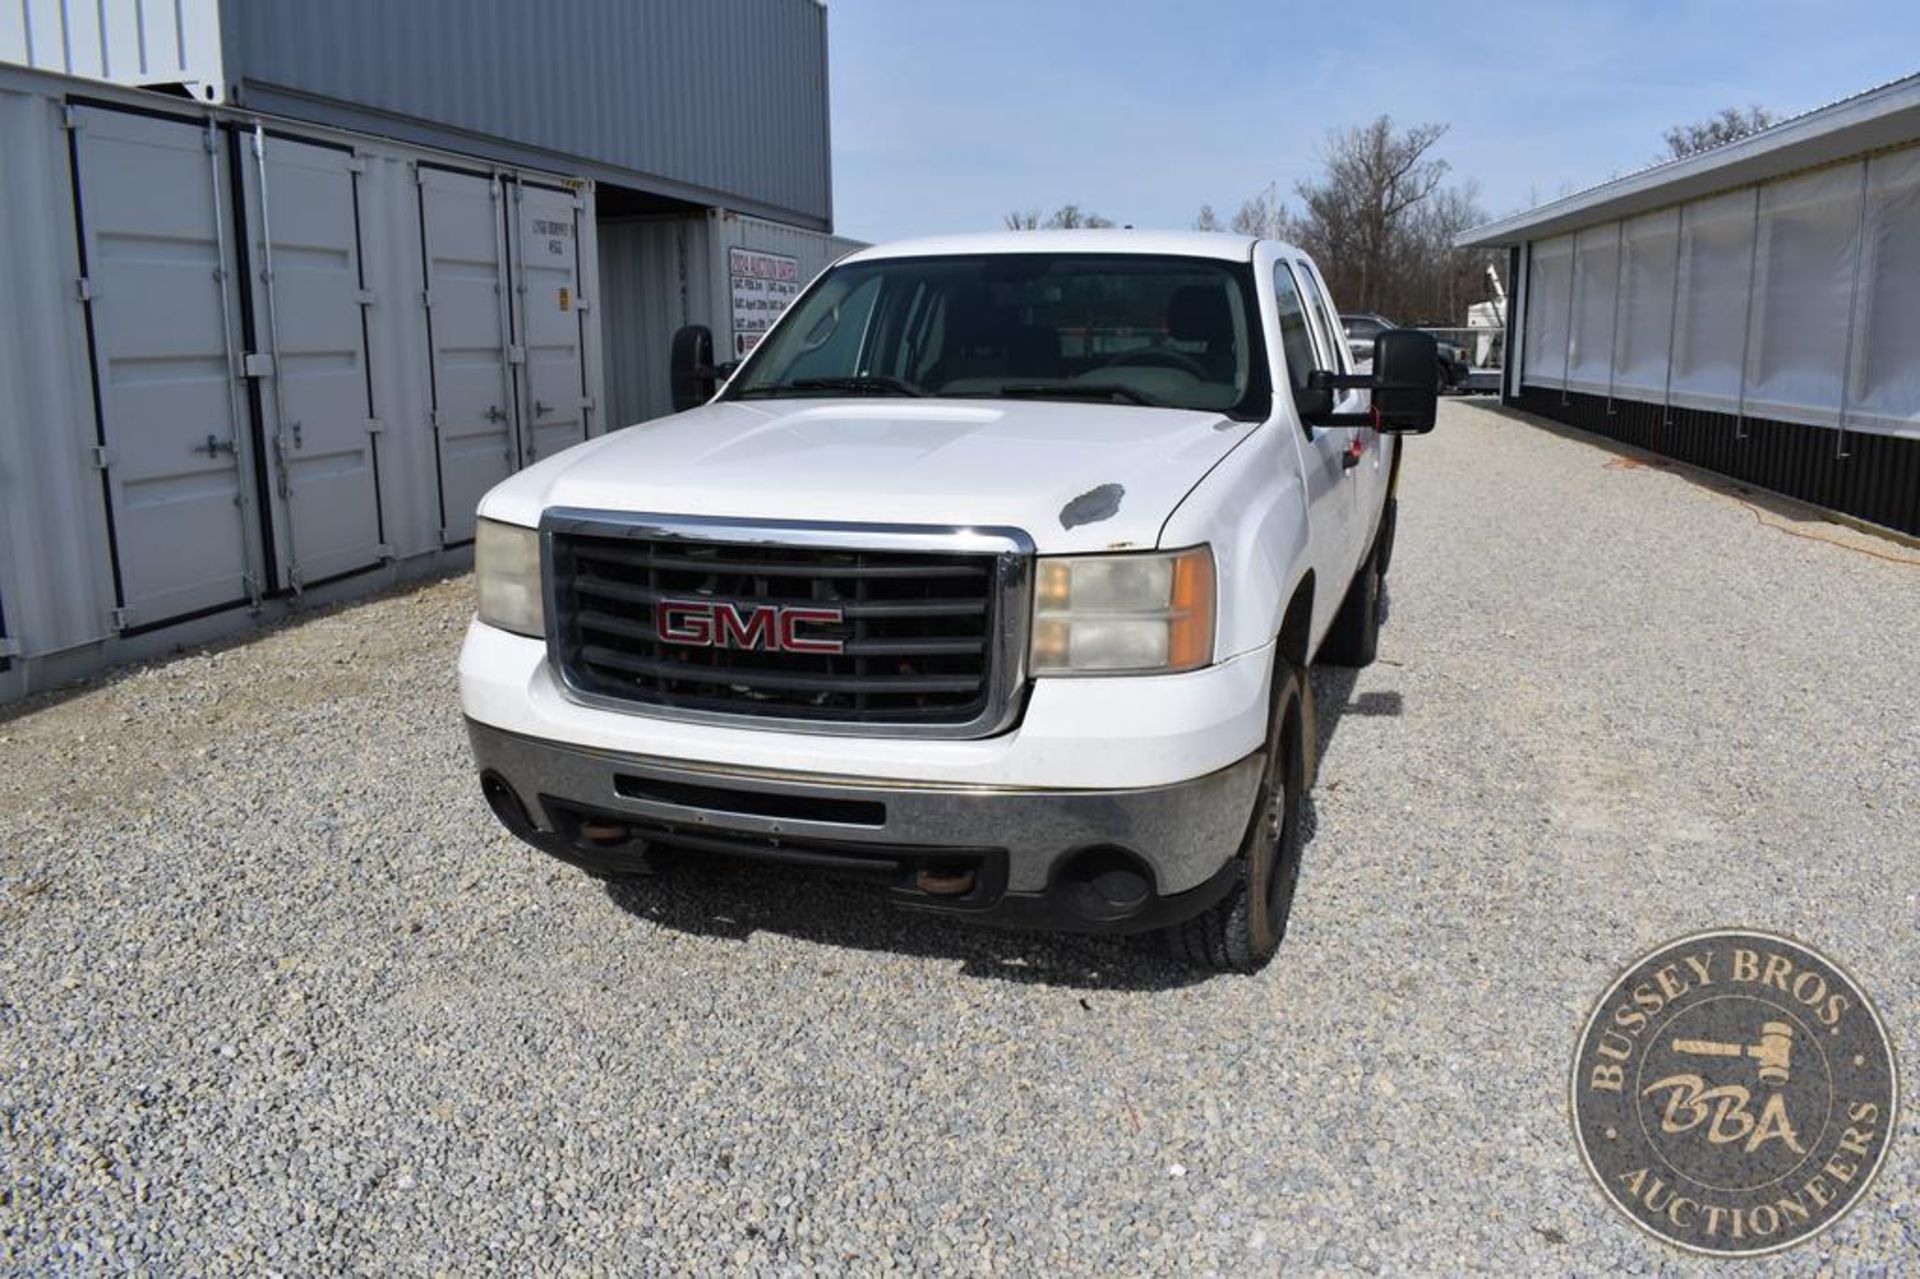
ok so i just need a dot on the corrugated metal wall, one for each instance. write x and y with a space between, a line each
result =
717 101
660 273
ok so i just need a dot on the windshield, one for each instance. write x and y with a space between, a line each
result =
1158 331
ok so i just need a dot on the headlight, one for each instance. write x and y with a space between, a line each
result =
506 571
1131 613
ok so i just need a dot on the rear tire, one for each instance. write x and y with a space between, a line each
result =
1240 932
1354 638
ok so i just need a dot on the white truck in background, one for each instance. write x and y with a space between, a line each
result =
995 571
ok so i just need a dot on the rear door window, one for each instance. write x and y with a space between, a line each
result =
1296 334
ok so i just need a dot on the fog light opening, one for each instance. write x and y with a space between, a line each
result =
1105 883
505 803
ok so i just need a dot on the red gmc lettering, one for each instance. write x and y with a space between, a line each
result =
764 627
793 642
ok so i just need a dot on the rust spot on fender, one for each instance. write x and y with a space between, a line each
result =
1092 506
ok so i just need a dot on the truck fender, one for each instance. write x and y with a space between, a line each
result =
1252 510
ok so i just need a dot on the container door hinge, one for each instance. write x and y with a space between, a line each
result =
375 426
365 297
294 579
251 585
256 364
68 120
356 163
582 304
122 618
83 288
516 355
102 457
426 298
384 550
9 647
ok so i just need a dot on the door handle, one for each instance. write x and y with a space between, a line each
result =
1351 455
493 414
541 410
215 446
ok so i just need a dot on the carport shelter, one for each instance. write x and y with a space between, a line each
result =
1751 309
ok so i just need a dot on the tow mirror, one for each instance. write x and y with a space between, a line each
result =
1404 392
1406 400
690 371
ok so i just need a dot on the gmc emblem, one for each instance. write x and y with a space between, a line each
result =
767 628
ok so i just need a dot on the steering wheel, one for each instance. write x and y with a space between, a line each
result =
1164 358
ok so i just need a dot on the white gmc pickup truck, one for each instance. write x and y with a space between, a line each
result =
994 571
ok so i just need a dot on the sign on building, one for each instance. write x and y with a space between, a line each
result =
763 285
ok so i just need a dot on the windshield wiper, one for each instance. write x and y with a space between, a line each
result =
1078 391
868 383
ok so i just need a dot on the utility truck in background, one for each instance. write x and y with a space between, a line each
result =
994 571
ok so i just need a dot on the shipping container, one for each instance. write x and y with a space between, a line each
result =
731 273
247 362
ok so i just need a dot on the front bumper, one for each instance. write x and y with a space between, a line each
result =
1088 860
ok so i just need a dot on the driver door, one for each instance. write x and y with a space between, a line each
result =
1332 511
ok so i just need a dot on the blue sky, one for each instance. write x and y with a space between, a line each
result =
948 114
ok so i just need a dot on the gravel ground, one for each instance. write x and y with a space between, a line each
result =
277 995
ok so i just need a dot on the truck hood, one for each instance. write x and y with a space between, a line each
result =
1075 477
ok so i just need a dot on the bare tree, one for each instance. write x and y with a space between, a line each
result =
1380 224
1730 125
1357 211
1263 215
1065 218
1208 220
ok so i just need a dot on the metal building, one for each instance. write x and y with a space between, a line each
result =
273 323
1750 309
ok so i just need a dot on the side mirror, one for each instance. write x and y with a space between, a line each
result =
1403 384
690 370
1405 396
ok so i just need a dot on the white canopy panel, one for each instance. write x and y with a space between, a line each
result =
1792 300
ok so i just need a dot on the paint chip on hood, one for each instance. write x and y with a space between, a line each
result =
1092 506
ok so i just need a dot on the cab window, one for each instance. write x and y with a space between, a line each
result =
1296 337
1323 326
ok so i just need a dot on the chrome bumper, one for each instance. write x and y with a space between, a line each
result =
1182 834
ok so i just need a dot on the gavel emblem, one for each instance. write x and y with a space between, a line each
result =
1773 1052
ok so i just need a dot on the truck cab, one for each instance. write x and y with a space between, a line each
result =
994 571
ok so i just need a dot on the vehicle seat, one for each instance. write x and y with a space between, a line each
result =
975 343
1199 313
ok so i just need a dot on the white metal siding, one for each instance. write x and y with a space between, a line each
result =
1792 300
125 41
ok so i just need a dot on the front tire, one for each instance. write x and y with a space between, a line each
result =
1354 637
1240 932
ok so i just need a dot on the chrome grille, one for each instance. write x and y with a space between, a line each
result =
931 623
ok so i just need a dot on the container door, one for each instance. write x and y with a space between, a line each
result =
463 255
304 254
553 397
157 235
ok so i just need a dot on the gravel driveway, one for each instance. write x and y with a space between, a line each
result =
276 994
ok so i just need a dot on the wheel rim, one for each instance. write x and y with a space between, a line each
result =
1282 830
1276 865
